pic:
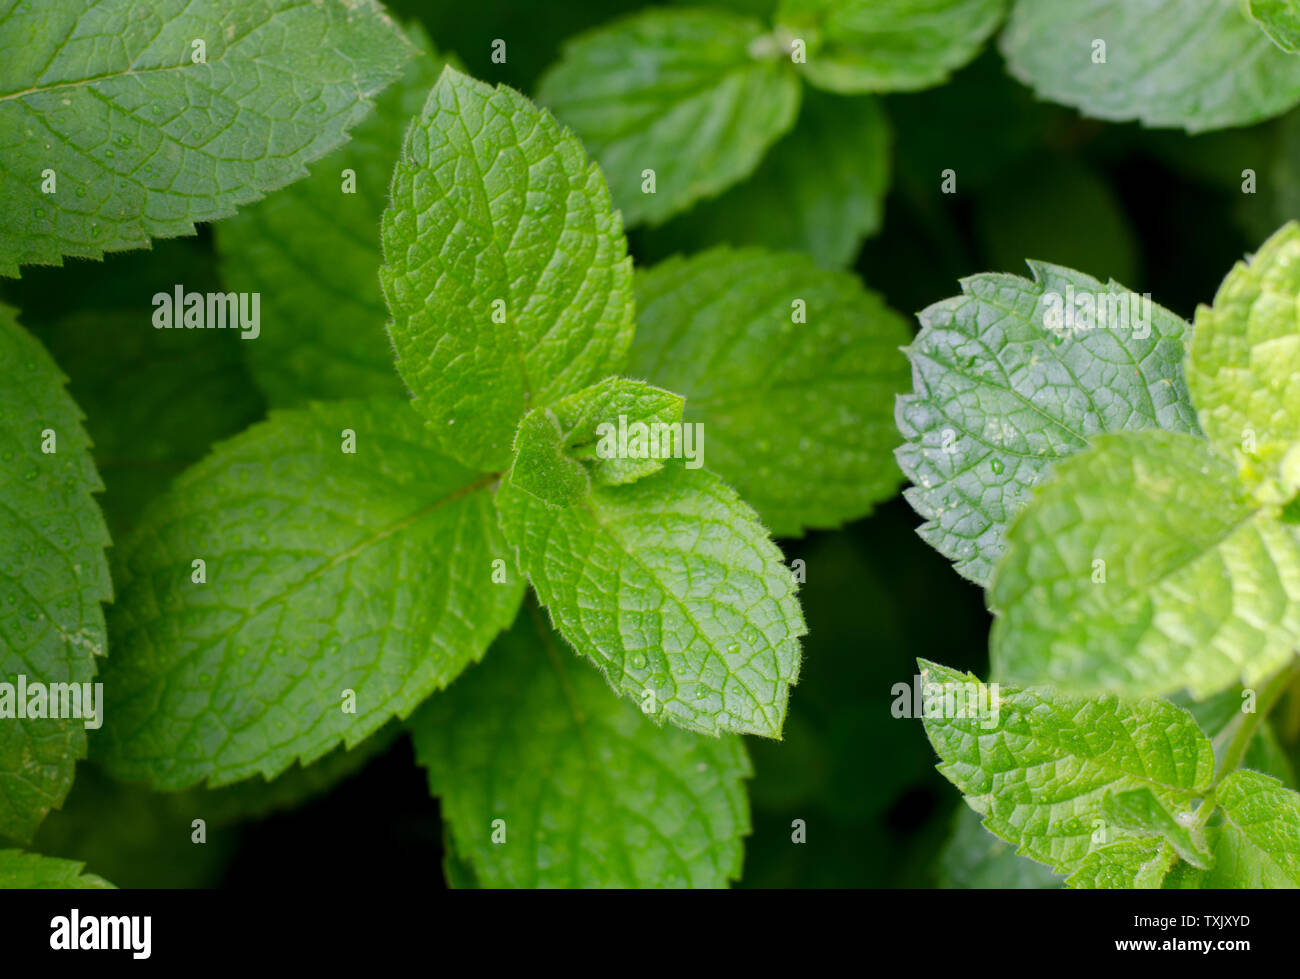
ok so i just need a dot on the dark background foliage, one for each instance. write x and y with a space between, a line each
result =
1161 212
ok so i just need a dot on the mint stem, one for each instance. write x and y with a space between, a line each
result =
1242 728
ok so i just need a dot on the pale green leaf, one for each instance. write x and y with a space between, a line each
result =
145 137
1258 843
506 267
1280 20
790 369
53 575
671 586
1141 566
28 871
1038 765
1192 64
1243 367
999 394
326 571
1135 863
590 792
819 190
697 96
888 45
311 251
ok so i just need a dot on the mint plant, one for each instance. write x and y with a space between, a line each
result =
317 577
1119 793
419 448
1135 533
729 87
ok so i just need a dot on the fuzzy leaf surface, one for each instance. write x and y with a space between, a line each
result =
671 586
1258 843
506 269
999 394
1041 766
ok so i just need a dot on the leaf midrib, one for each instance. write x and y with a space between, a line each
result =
80 82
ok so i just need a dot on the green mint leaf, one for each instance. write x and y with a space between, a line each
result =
696 96
1258 843
973 858
1222 72
670 585
311 251
1038 765
24 871
53 577
1280 20
589 792
506 267
830 174
325 571
1141 812
564 449
902 45
1141 566
190 112
1130 863
1004 385
1243 368
791 371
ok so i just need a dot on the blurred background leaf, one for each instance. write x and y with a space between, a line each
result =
155 399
